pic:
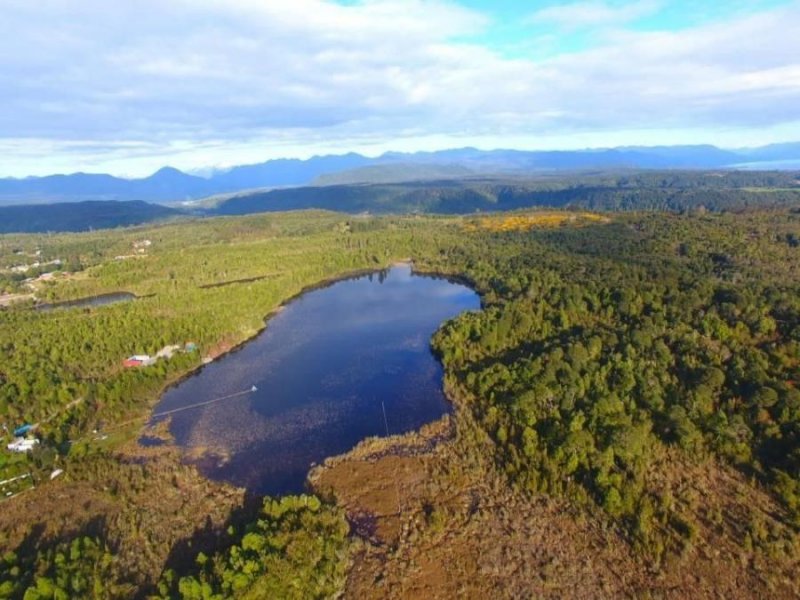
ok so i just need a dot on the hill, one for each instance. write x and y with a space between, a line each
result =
163 185
395 173
80 216
621 191
171 185
656 190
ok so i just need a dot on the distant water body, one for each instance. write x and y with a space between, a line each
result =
770 165
324 368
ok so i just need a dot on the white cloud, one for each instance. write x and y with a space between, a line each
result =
95 84
593 13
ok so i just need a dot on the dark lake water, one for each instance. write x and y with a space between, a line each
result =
100 300
322 368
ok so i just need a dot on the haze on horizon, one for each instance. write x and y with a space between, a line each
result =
128 87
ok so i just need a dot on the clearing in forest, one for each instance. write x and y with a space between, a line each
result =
524 222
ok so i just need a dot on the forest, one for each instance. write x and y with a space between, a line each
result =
606 191
80 216
583 370
615 190
614 352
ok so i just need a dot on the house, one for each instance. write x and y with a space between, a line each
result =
22 444
22 430
138 360
141 246
167 351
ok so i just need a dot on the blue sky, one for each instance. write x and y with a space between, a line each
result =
128 87
514 33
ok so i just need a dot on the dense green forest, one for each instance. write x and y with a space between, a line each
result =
297 548
648 332
79 216
635 190
81 568
677 191
604 350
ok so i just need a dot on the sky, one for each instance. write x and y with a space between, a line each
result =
127 87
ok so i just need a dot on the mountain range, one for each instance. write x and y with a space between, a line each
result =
665 189
169 185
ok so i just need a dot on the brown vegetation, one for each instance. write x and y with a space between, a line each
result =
462 532
536 220
152 510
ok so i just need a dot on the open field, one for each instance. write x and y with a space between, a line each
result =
525 222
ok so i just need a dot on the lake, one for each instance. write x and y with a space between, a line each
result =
325 368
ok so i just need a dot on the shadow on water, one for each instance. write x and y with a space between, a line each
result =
324 369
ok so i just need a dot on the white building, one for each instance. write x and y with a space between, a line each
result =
22 444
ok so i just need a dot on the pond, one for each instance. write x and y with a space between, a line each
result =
325 369
91 301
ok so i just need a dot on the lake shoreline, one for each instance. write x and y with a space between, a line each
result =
327 282
282 398
322 284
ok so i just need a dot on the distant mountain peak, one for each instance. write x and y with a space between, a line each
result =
168 172
169 184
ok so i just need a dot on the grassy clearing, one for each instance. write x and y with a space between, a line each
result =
537 220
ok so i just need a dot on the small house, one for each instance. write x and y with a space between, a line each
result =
167 351
22 444
22 430
138 360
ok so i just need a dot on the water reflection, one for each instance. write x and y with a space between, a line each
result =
322 368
